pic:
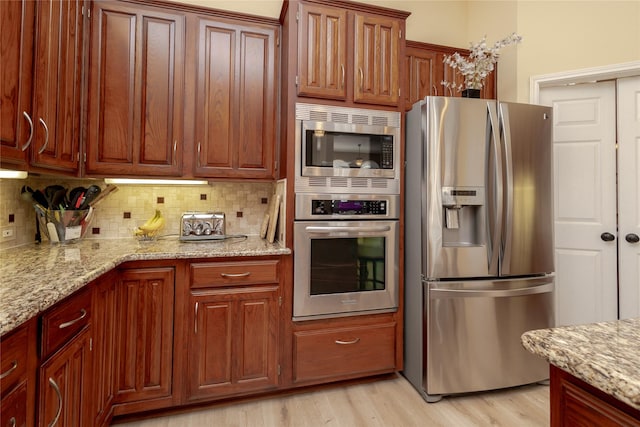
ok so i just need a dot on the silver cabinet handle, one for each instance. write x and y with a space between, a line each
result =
361 79
435 89
28 143
246 274
83 314
46 136
195 322
199 149
342 68
12 422
175 149
353 341
14 366
53 384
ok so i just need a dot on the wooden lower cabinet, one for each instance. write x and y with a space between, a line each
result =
576 403
18 376
64 384
340 352
104 346
232 328
144 355
233 342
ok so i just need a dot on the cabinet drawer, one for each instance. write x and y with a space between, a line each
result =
209 275
344 352
65 320
14 351
13 409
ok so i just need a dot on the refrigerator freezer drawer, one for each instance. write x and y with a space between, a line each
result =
473 333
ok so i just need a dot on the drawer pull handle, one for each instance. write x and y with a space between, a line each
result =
83 314
53 384
353 341
230 275
12 422
13 367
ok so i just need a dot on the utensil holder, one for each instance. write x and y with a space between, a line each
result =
64 226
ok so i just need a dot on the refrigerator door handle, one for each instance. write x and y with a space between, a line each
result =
507 230
495 225
459 293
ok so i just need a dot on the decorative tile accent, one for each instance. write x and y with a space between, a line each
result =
141 201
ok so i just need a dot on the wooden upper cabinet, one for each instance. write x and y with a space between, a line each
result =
425 70
236 103
16 57
422 77
376 60
322 58
57 85
136 90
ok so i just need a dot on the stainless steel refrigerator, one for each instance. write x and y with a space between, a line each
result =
478 243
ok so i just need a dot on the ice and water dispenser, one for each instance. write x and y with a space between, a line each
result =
463 216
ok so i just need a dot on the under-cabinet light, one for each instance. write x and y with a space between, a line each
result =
154 181
6 173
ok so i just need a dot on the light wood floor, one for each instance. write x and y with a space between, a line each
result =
389 402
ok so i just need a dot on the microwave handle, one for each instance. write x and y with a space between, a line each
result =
325 230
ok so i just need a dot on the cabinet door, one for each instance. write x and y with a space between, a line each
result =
145 334
136 90
233 341
13 408
57 84
16 56
64 382
420 79
235 100
322 58
376 60
104 344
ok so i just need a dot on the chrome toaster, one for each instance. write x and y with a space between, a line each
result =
202 226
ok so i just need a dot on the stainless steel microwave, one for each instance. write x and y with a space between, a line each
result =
347 150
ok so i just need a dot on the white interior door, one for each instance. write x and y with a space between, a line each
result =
629 195
584 136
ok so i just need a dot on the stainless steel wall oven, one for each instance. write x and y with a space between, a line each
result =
345 255
346 232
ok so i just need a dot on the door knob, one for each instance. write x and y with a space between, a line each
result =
607 237
632 238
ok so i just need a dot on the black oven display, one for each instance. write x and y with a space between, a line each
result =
347 265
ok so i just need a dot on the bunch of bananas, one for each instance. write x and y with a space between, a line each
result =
151 228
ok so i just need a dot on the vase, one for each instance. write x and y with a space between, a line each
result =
471 93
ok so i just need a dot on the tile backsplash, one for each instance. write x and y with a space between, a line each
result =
244 206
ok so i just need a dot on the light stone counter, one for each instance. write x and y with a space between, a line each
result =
35 277
605 355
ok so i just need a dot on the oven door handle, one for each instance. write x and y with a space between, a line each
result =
326 230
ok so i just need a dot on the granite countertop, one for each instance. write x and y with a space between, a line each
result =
605 355
35 277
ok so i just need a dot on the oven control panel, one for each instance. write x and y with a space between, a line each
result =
349 207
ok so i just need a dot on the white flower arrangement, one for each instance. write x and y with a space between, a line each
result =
479 64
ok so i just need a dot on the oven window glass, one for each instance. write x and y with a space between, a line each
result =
347 265
348 150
